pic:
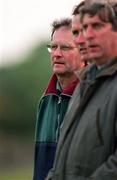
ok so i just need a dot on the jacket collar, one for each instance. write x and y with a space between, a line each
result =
107 70
52 88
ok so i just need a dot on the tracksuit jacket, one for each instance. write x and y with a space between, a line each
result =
51 110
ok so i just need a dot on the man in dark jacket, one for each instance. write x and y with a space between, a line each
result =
65 60
87 146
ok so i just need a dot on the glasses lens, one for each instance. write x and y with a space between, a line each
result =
63 47
52 47
66 47
49 48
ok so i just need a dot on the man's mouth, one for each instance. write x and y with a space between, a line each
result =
93 47
58 62
83 50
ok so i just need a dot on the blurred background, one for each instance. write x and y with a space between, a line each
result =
24 72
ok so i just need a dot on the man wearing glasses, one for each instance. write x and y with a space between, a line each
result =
65 60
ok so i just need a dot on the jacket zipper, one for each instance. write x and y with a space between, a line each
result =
58 118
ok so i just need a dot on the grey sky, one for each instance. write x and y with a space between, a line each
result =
26 21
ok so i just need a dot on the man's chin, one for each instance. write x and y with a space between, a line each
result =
84 57
58 72
94 56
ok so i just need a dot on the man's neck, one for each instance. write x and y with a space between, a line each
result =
64 81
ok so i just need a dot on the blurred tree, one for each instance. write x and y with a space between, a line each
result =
21 87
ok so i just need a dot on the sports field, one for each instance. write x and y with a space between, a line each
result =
22 173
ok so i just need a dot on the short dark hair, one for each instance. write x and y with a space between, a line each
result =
65 22
105 11
77 8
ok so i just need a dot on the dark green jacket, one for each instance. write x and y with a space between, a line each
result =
51 110
87 147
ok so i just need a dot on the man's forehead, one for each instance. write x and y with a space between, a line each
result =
92 20
76 22
88 17
76 18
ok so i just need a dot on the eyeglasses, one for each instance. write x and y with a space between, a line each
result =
62 47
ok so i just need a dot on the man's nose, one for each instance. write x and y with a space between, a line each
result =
89 33
80 39
57 52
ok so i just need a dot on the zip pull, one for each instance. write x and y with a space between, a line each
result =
59 101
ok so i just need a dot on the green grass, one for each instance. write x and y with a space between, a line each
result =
23 173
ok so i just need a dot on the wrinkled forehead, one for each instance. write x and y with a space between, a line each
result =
62 35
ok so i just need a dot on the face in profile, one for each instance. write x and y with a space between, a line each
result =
100 38
79 38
